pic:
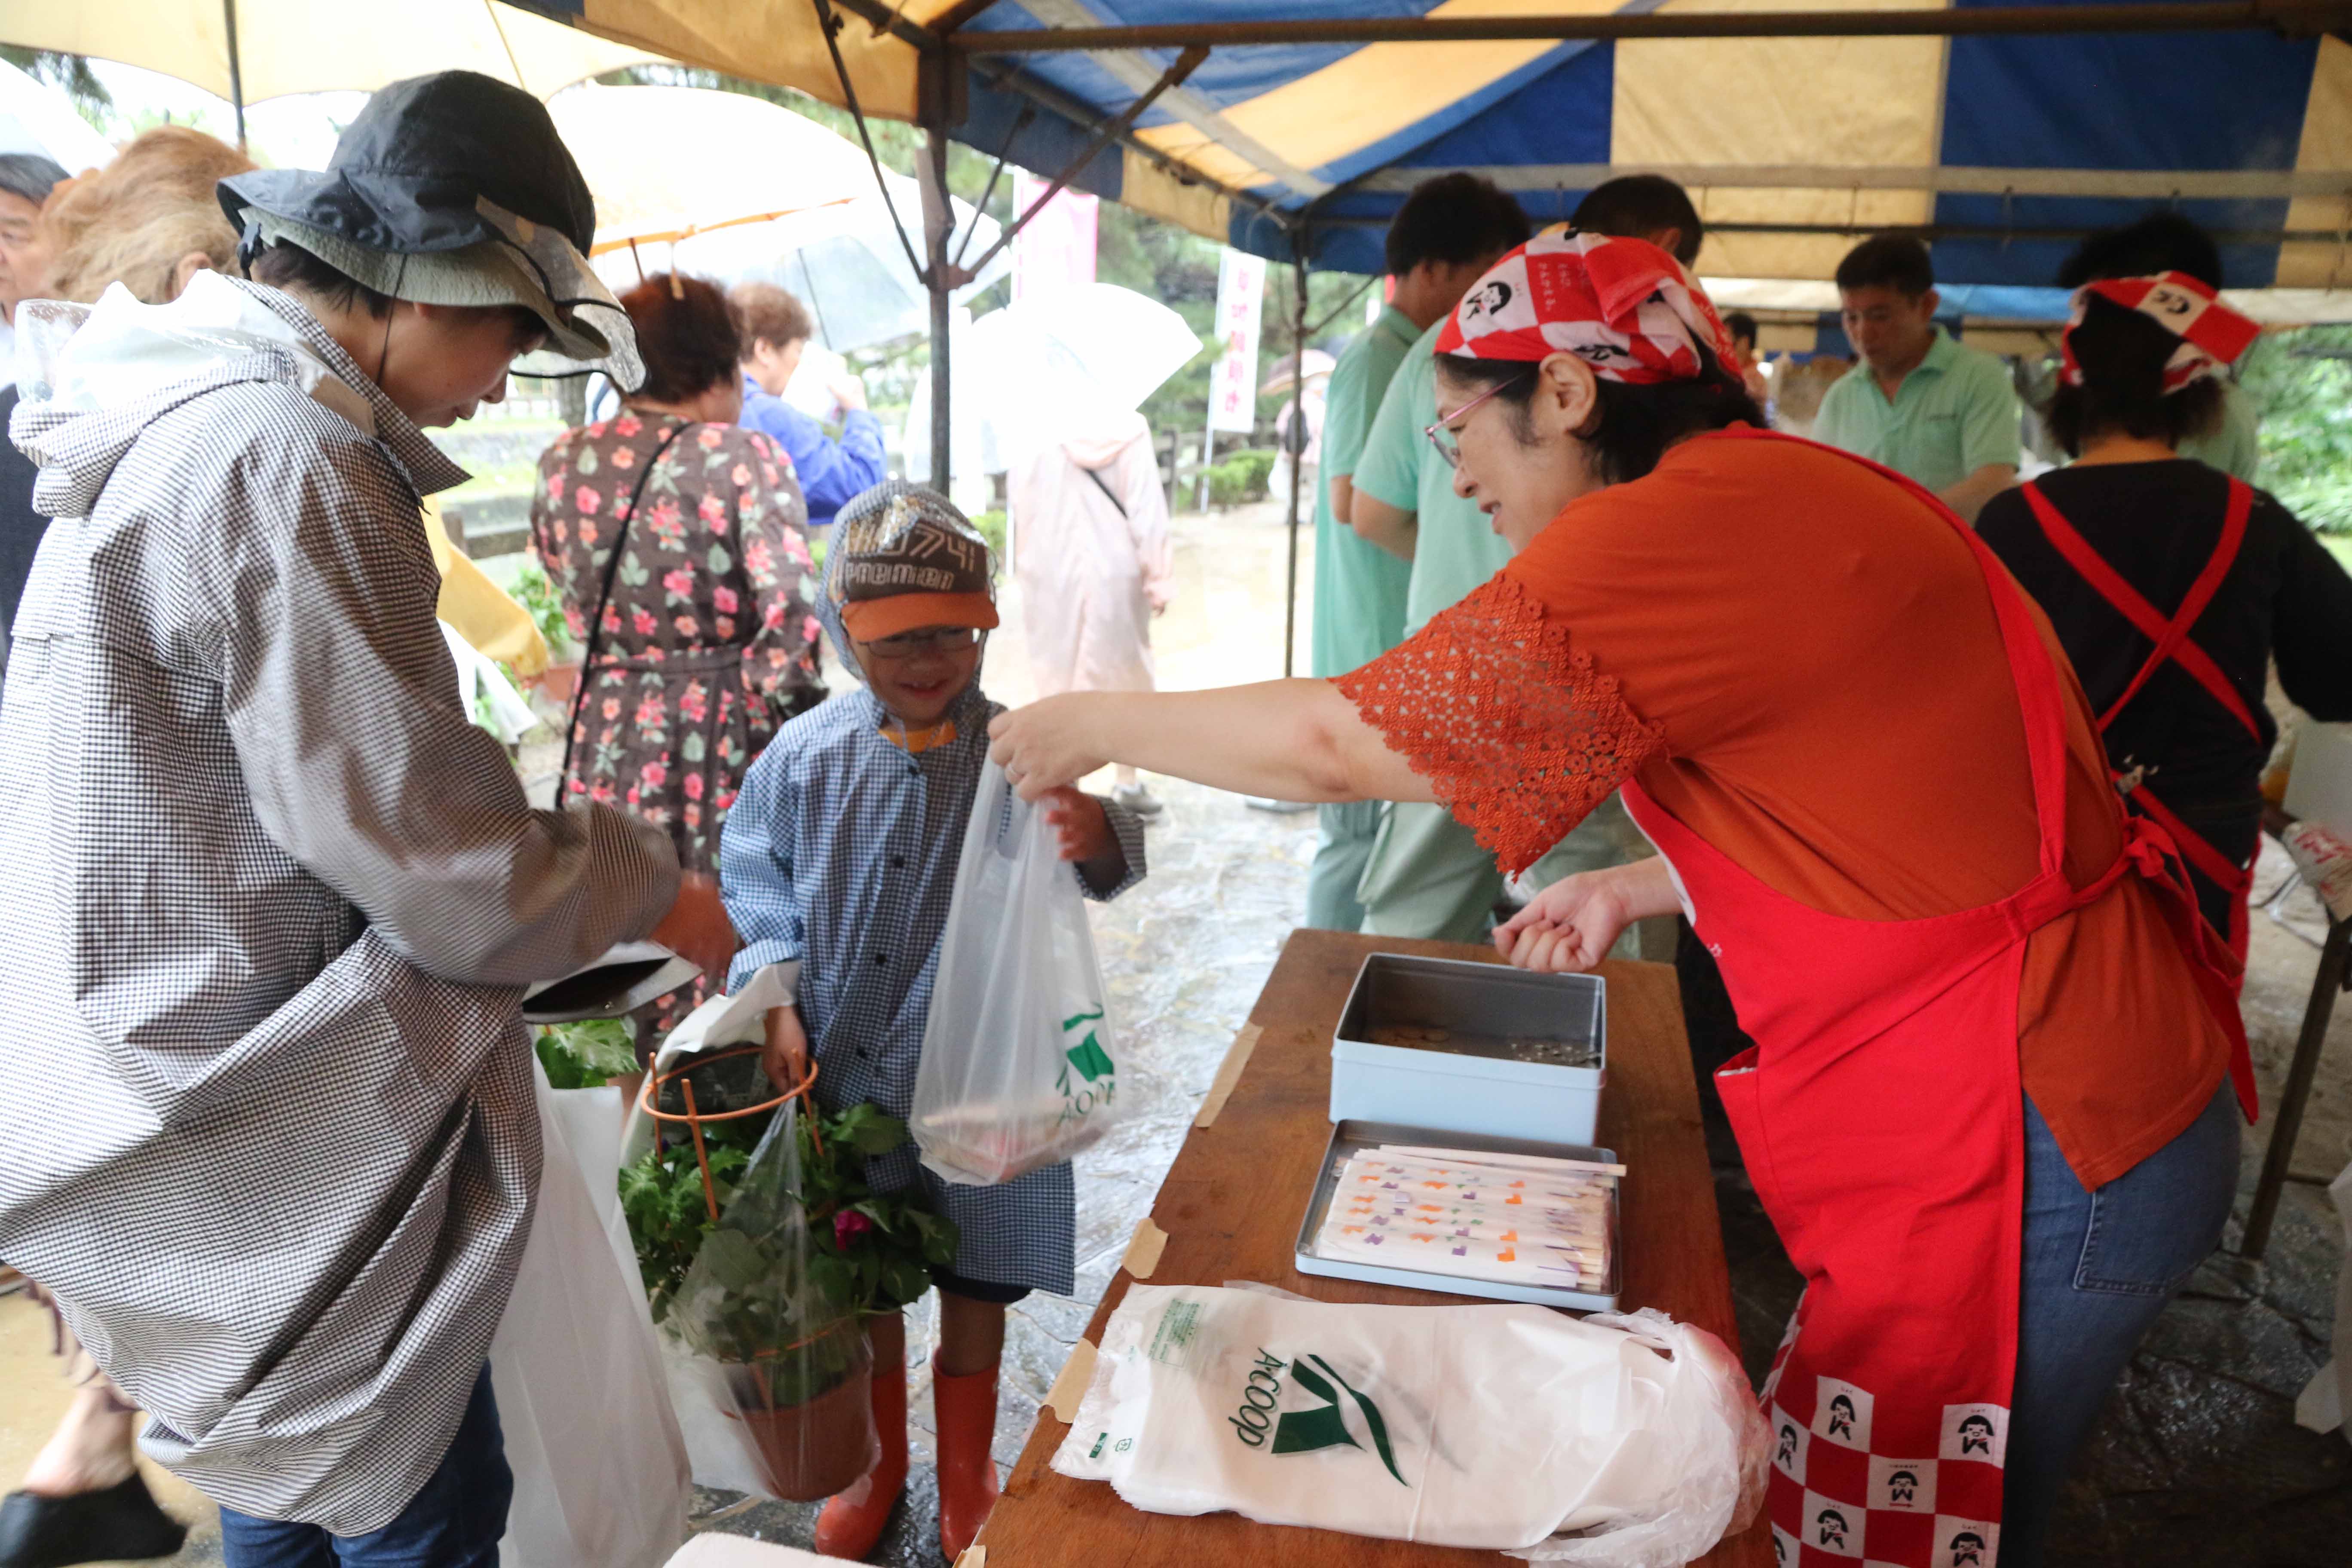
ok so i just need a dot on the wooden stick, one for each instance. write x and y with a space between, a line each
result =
1478 1157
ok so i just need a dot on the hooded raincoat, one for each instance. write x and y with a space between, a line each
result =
267 901
1091 552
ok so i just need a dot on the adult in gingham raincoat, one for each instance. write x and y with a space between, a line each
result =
268 898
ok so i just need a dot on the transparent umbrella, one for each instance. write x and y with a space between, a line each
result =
842 261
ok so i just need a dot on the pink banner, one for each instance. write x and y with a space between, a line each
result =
1058 246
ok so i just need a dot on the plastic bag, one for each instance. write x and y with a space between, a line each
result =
2328 1395
600 1468
1017 1069
773 1328
1500 1427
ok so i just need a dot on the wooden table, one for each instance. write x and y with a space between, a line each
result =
1231 1206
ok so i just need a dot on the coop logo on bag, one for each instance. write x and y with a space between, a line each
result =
1261 1422
1088 1077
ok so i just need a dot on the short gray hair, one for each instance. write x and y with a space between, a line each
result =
30 175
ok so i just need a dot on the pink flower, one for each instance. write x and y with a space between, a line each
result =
848 1227
611 622
652 713
627 425
694 703
642 620
588 534
710 436
687 628
741 476
655 775
556 486
575 623
692 814
678 584
692 785
625 456
562 530
585 497
724 598
726 628
811 630
712 509
612 708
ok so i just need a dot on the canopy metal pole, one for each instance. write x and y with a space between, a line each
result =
1299 456
2293 17
235 71
940 278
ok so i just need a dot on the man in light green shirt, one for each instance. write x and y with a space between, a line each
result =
1937 412
2235 447
1449 230
1428 876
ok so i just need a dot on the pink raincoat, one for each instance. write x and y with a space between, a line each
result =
1092 558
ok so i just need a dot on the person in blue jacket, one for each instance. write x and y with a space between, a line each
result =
776 330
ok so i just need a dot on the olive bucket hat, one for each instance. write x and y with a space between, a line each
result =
452 189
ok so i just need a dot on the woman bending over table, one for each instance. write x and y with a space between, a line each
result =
1979 992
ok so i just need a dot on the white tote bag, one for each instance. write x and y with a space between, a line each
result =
600 1468
1609 1442
1018 1069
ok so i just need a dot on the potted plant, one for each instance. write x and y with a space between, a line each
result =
763 1249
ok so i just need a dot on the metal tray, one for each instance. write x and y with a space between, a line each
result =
1349 1136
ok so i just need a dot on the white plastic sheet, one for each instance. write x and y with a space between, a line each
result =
1614 1442
600 1467
1018 1069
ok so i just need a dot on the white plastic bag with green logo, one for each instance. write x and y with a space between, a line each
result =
1017 1069
1617 1442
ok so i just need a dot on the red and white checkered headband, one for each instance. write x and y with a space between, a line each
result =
2212 334
1622 306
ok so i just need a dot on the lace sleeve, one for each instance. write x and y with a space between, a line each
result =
1519 734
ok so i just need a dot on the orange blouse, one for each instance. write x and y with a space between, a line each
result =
1801 662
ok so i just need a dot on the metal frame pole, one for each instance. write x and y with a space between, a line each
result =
939 279
1298 241
2286 1123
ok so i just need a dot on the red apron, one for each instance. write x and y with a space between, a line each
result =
2173 645
1881 1115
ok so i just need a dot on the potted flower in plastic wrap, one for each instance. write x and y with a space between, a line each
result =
764 1249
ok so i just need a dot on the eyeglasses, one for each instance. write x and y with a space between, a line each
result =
1443 439
938 639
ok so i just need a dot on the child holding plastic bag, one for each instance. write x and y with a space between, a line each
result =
837 862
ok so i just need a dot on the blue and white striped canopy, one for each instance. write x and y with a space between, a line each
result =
2004 148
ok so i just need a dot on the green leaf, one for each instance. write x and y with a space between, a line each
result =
719 561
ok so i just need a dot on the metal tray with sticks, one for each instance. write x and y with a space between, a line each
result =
1349 1137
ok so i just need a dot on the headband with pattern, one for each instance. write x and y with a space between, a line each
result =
2212 334
1624 306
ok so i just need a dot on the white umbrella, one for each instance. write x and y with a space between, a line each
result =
317 45
37 118
1055 361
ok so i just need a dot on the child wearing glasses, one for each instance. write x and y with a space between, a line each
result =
837 862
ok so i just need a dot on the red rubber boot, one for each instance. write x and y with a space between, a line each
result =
966 1411
851 1523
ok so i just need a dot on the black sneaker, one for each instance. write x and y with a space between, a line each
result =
123 1522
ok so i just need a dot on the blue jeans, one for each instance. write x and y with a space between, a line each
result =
457 1522
2098 1268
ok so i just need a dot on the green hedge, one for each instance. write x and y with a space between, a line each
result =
1241 477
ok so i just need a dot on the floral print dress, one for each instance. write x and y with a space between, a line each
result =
709 642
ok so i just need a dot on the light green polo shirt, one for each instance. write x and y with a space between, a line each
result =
2236 447
1954 414
1359 588
1458 549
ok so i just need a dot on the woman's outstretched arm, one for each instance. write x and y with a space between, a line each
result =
1285 740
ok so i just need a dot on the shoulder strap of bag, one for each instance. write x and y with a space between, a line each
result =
605 597
1108 493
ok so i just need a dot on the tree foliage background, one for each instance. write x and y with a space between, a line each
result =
2301 381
